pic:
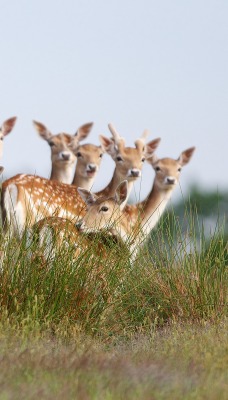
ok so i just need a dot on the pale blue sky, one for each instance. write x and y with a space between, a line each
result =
160 65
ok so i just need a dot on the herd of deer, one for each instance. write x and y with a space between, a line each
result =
69 210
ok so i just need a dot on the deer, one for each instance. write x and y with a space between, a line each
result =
138 220
51 234
26 198
64 148
5 129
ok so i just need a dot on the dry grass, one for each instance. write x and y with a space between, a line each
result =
177 362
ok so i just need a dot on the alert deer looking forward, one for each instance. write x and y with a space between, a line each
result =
64 148
27 199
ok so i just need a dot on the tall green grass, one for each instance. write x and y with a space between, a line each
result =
179 275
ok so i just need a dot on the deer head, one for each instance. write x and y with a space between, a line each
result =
89 158
62 143
168 170
102 213
63 148
129 160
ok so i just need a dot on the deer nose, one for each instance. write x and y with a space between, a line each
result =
66 156
92 167
135 172
170 180
79 224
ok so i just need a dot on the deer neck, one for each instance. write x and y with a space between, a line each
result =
153 208
62 173
110 189
143 217
85 183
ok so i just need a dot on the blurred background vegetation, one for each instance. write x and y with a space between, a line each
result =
197 219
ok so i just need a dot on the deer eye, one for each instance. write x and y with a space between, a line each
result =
1 138
51 144
179 169
143 159
79 154
157 169
101 155
119 158
104 208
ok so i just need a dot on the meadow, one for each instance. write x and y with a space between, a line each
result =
102 328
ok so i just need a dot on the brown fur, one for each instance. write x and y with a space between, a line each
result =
63 150
38 197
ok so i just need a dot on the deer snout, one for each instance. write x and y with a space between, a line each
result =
91 168
170 180
134 172
80 225
65 156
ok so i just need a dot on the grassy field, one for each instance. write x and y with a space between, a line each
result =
101 328
179 361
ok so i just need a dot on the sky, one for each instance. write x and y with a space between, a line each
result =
160 65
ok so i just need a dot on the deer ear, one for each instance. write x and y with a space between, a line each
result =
152 160
42 130
8 125
84 131
88 197
151 147
108 145
73 144
186 156
121 192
